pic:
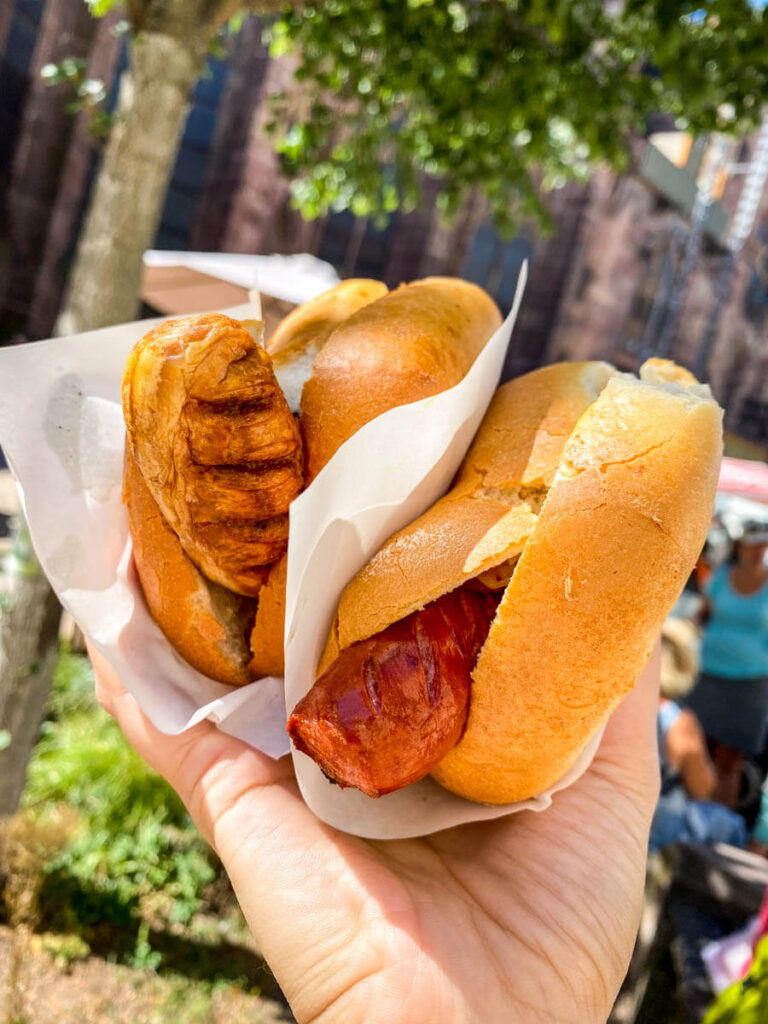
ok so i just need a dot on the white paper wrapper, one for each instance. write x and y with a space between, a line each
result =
62 430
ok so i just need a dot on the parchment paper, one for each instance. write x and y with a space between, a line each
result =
62 431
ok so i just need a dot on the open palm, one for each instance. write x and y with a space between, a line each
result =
529 918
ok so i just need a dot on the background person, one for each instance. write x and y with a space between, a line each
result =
730 698
685 811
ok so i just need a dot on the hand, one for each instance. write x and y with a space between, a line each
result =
527 919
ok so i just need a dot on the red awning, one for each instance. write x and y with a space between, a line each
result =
744 477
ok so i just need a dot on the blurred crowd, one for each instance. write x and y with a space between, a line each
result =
706 956
713 708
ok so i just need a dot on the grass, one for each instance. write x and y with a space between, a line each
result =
104 854
103 866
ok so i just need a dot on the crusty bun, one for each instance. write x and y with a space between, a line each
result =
414 342
618 535
593 491
206 623
301 335
216 444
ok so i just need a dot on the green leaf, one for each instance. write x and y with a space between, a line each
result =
72 67
217 49
5 739
492 96
236 22
279 47
99 8
101 123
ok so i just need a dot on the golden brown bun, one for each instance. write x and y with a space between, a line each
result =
605 484
268 631
489 513
661 371
216 444
426 334
618 535
410 344
206 623
301 335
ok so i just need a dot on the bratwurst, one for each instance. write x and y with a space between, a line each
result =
584 501
391 707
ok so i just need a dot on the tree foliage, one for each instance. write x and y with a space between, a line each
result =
506 96
89 93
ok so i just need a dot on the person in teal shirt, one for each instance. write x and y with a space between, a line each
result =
730 697
759 840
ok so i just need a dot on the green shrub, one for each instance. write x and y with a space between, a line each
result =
133 842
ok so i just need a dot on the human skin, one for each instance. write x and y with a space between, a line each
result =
751 571
524 920
686 752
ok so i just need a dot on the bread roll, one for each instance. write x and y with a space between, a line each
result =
301 335
413 343
410 344
489 513
594 491
268 658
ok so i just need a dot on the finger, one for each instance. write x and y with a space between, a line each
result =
106 682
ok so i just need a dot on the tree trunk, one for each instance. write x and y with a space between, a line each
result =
131 187
29 627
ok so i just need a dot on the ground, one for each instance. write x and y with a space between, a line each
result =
38 987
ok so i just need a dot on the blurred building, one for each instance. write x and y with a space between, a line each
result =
631 268
648 277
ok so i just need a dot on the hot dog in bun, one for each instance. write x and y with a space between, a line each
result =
489 640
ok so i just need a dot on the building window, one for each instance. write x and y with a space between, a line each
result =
495 264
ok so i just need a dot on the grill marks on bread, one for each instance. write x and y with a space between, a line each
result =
216 443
